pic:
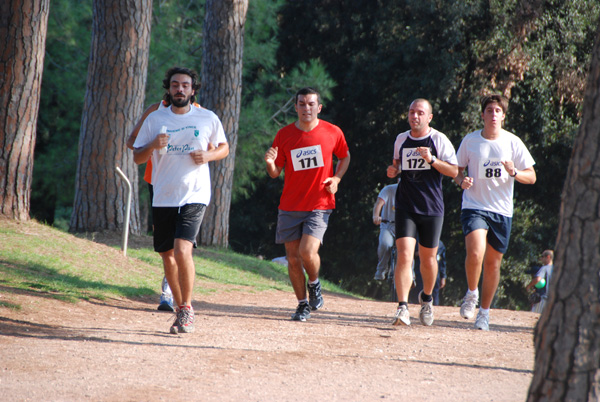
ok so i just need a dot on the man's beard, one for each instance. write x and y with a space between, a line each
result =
178 102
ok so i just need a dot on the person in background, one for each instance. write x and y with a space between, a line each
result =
541 280
384 213
166 297
305 150
495 159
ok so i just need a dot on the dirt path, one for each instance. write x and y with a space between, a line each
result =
246 348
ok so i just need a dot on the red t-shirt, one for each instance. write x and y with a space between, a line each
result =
307 160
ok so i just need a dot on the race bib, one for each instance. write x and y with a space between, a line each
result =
307 158
491 169
412 160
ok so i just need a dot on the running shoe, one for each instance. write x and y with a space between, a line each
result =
302 312
175 326
315 298
426 313
468 306
186 319
402 316
166 303
482 322
166 298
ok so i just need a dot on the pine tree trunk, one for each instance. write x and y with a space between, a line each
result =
113 102
23 26
567 337
221 92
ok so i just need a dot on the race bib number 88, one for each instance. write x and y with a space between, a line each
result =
307 158
492 169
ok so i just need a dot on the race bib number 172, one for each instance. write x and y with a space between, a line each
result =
307 158
412 160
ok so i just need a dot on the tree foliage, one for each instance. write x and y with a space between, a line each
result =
369 58
384 54
61 105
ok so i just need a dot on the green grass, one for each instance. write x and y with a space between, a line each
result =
46 262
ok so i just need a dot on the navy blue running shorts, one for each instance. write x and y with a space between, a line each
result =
498 227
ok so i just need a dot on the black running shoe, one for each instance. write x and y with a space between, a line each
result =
302 312
315 298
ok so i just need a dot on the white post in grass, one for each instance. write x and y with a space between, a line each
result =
127 211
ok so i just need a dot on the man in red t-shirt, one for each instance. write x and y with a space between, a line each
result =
305 150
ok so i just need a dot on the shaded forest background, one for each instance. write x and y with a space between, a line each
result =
370 59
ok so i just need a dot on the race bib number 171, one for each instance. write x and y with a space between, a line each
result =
307 158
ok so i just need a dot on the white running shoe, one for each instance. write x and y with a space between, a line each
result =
402 316
482 322
468 306
426 313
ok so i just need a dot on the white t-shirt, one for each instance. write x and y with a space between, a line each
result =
176 179
388 195
492 188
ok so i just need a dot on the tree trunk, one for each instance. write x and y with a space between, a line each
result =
23 26
567 336
221 92
113 102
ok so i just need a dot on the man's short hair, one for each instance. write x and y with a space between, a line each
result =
501 100
308 91
548 253
423 100
180 70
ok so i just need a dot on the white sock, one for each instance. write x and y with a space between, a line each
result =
473 292
305 301
313 283
484 311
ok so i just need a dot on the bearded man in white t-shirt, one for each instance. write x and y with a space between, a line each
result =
180 140
494 159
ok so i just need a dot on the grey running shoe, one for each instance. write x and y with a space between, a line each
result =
302 312
175 326
315 298
426 313
402 316
482 322
186 320
468 306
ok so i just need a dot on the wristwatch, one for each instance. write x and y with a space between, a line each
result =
513 175
433 159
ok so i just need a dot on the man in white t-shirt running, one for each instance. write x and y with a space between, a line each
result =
166 297
494 159
180 140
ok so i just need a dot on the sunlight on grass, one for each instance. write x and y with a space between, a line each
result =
42 260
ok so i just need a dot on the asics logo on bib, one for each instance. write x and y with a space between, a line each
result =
412 152
306 152
492 163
